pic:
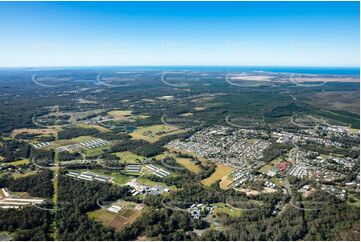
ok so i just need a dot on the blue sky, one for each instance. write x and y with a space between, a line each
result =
179 33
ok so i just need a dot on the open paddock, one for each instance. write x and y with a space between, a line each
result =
127 215
102 215
34 131
154 132
120 114
118 222
129 157
188 164
226 182
222 171
95 126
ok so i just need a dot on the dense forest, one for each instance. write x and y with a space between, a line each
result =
37 185
29 223
12 150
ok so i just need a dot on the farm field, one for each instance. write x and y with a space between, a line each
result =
264 169
221 173
129 157
145 181
277 181
226 182
125 115
203 160
96 151
19 162
120 179
277 160
102 215
188 164
120 114
20 175
34 131
127 215
154 132
223 208
96 126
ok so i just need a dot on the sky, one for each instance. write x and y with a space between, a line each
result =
179 33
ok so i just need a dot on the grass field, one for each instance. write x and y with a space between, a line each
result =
277 181
203 160
264 169
353 200
221 172
188 164
129 157
96 151
19 162
223 208
18 175
145 181
34 131
120 114
225 182
102 215
154 132
121 179
354 131
96 126
277 160
125 115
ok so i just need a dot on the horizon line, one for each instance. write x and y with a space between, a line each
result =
93 66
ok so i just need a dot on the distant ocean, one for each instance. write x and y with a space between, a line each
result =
355 71
300 70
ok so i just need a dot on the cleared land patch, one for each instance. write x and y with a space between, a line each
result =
120 114
19 162
127 215
154 132
96 126
264 169
221 172
125 115
203 160
129 157
102 215
189 164
33 131
225 182
224 208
